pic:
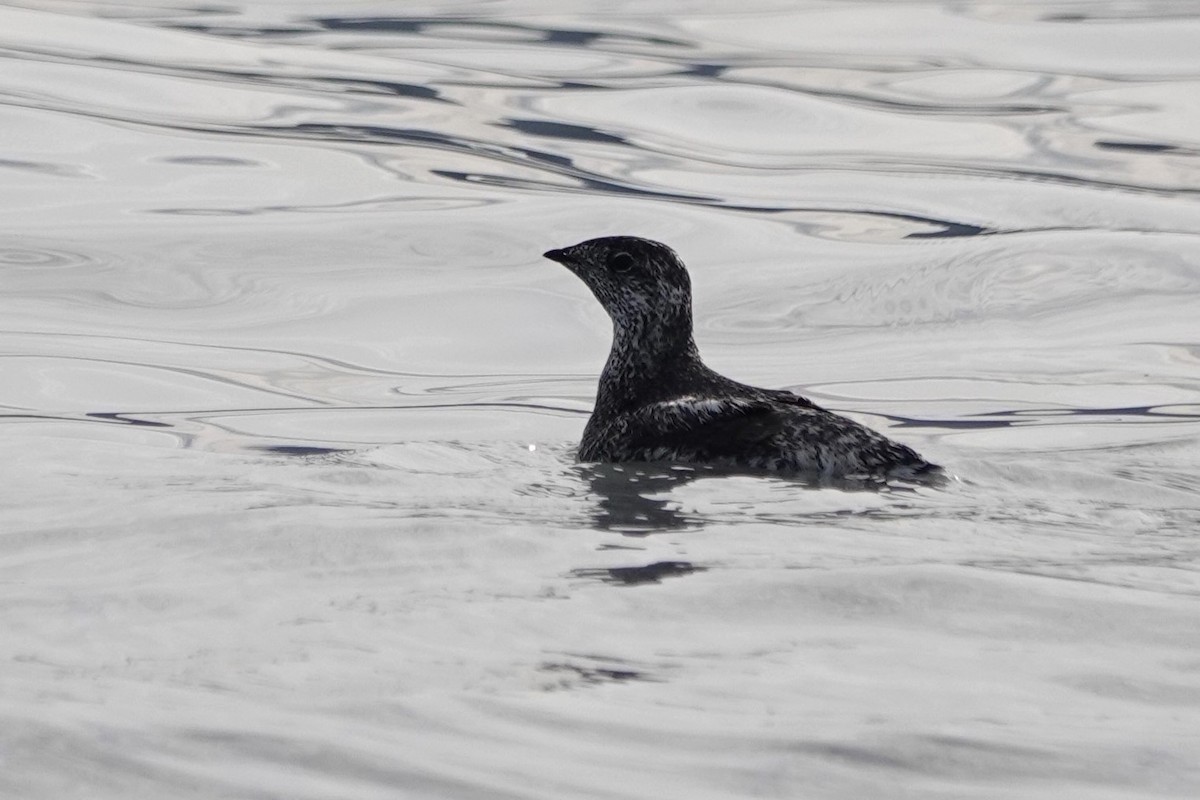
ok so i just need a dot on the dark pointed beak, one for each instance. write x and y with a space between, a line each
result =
557 255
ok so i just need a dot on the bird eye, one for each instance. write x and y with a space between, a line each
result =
620 262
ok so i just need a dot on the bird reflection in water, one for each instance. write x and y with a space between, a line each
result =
631 499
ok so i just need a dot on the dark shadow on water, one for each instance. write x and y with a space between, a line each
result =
949 231
299 451
1007 418
125 419
1138 147
1167 412
474 28
561 130
634 576
947 424
556 172
464 27
111 418
628 497
633 499
601 669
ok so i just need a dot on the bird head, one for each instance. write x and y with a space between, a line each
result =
641 284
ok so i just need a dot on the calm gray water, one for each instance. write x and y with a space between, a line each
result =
289 400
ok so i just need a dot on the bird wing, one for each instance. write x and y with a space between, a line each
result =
704 427
791 398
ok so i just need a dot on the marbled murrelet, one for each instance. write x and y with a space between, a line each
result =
657 401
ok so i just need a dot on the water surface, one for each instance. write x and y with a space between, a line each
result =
289 400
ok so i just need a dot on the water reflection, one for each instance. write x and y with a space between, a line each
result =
490 30
635 500
634 576
588 669
629 498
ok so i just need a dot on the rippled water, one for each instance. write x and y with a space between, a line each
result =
289 400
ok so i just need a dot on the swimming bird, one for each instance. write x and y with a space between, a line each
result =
657 401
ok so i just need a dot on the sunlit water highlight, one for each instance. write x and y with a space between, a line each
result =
289 400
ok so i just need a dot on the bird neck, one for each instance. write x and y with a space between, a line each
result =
645 358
